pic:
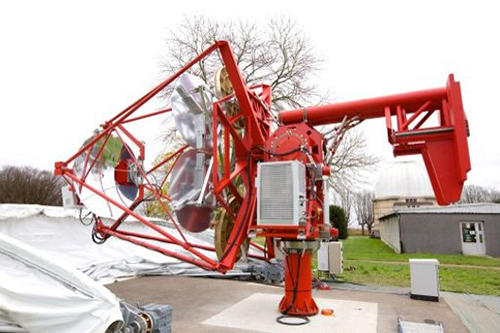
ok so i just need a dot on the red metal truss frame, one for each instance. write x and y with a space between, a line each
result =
254 105
443 147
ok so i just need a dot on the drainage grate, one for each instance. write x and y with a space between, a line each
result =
413 327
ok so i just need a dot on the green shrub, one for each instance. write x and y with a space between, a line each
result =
338 220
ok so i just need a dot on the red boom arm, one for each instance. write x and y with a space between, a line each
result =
443 147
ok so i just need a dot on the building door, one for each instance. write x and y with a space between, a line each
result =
473 238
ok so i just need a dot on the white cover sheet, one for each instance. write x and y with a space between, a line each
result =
43 246
40 295
58 233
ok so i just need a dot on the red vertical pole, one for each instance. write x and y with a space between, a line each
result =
298 299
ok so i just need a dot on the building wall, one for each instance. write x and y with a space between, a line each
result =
389 232
492 234
383 207
430 233
440 233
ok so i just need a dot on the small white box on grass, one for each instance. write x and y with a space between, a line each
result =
330 257
424 275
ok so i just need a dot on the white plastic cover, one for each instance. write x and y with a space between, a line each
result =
60 235
40 295
54 240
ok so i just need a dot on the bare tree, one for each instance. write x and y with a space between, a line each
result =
475 193
363 206
346 200
349 160
278 54
495 196
29 186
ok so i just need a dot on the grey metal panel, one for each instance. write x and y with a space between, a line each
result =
279 199
276 189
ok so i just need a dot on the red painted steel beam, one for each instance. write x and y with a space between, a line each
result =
152 114
164 240
242 94
143 220
364 108
444 147
201 263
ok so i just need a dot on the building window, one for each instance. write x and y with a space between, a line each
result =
469 233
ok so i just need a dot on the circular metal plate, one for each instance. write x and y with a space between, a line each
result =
224 225
184 193
99 173
194 218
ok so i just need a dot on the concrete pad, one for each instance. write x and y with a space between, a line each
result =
195 300
259 311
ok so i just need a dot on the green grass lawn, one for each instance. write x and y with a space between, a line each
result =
370 261
360 266
365 248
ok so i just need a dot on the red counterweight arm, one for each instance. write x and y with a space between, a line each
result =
443 147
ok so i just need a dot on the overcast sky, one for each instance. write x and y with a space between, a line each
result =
66 67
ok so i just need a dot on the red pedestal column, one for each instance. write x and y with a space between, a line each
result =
298 285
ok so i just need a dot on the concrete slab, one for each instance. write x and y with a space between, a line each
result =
195 300
259 311
479 313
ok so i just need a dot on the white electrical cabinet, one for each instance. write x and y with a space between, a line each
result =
331 258
424 279
281 192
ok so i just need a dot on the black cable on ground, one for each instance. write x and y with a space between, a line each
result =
280 320
96 238
85 217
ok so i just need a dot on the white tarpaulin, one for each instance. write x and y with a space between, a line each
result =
58 233
41 295
44 250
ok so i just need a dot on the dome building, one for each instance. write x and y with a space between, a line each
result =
403 183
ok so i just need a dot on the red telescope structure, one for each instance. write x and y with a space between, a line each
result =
252 174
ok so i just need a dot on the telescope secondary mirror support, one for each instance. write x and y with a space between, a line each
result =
269 175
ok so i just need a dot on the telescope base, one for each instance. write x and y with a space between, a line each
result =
298 300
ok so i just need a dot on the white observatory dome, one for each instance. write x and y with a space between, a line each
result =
403 179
